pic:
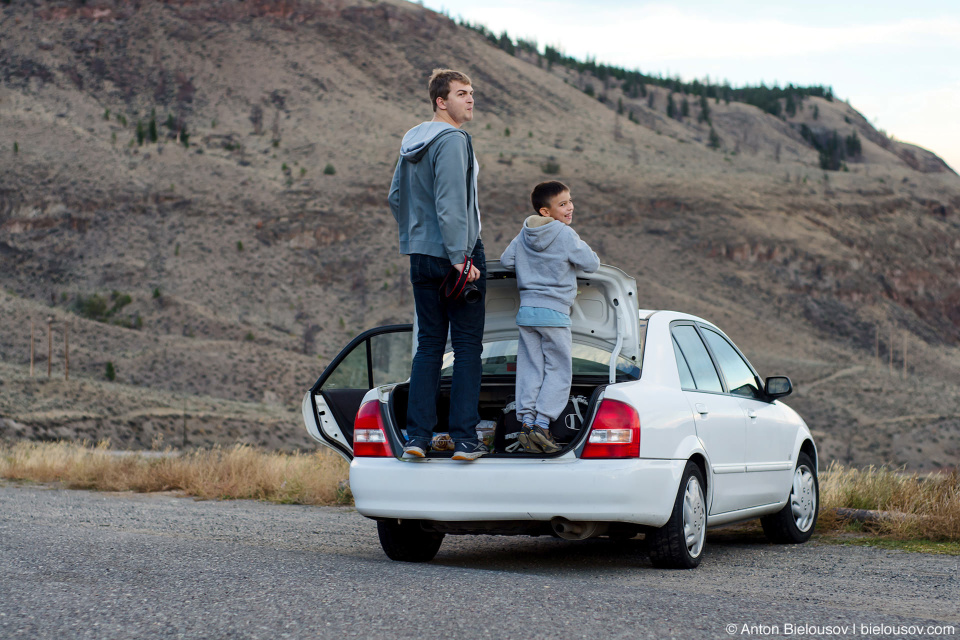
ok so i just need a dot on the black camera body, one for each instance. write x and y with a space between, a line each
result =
456 287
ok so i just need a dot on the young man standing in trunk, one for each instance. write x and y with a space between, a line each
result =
434 200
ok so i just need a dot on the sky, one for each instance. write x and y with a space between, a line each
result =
898 63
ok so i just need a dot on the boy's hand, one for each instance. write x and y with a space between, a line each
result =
474 272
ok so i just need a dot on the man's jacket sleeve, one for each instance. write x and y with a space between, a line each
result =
394 197
450 193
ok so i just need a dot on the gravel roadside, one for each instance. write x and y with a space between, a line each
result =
79 564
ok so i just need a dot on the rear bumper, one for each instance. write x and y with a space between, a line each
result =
490 489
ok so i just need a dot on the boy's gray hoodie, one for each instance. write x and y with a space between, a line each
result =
546 255
434 192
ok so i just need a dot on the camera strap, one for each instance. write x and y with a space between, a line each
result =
453 284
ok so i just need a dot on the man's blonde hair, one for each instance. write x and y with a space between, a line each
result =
439 85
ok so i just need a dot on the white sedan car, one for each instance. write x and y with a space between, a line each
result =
679 434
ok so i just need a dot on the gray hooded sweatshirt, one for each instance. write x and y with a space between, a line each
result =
433 196
546 255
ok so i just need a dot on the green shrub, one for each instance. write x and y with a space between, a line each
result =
506 132
99 308
550 167
111 372
16 147
329 170
239 245
249 337
156 292
714 139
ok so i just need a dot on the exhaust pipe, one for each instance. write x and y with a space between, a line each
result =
569 530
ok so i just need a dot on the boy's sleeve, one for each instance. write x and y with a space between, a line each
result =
394 197
581 255
450 194
509 257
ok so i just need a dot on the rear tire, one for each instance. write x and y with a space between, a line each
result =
406 541
794 524
679 543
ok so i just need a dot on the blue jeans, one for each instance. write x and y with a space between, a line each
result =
435 315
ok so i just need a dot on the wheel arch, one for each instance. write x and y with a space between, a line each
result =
810 449
700 460
691 448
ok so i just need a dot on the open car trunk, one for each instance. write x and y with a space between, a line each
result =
496 398
607 348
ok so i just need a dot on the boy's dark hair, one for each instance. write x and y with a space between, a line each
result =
439 85
543 192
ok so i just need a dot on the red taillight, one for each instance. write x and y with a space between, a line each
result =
615 432
369 438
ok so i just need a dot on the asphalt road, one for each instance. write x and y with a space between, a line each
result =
76 564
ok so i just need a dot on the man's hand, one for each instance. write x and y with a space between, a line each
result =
474 272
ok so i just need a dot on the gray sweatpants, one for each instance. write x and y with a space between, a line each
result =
544 371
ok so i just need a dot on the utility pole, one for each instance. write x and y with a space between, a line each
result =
876 347
891 350
49 344
66 350
904 355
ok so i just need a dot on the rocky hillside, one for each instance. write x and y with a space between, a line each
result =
198 189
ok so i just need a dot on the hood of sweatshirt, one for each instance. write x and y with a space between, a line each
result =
539 232
417 140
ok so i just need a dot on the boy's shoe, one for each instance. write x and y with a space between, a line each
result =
536 439
469 450
416 448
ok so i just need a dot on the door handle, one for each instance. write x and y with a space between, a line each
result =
752 414
702 409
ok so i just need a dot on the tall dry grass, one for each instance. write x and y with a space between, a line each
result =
238 472
918 506
915 506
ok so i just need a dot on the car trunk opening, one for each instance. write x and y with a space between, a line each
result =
496 406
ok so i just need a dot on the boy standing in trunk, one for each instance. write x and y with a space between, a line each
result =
546 255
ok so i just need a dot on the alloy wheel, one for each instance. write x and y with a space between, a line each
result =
694 517
803 498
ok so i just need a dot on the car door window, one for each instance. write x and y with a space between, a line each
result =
352 372
686 378
698 359
391 355
739 376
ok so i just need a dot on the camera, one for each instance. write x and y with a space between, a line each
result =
456 287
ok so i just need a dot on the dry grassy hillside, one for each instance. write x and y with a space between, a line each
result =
248 266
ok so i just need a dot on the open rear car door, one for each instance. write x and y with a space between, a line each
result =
376 357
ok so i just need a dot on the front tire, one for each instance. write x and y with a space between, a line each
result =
406 541
794 523
679 543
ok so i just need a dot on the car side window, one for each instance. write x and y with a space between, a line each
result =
695 353
739 376
686 378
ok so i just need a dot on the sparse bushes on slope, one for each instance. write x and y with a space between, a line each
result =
103 309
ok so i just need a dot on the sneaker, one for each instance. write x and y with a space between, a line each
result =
536 439
469 450
416 448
